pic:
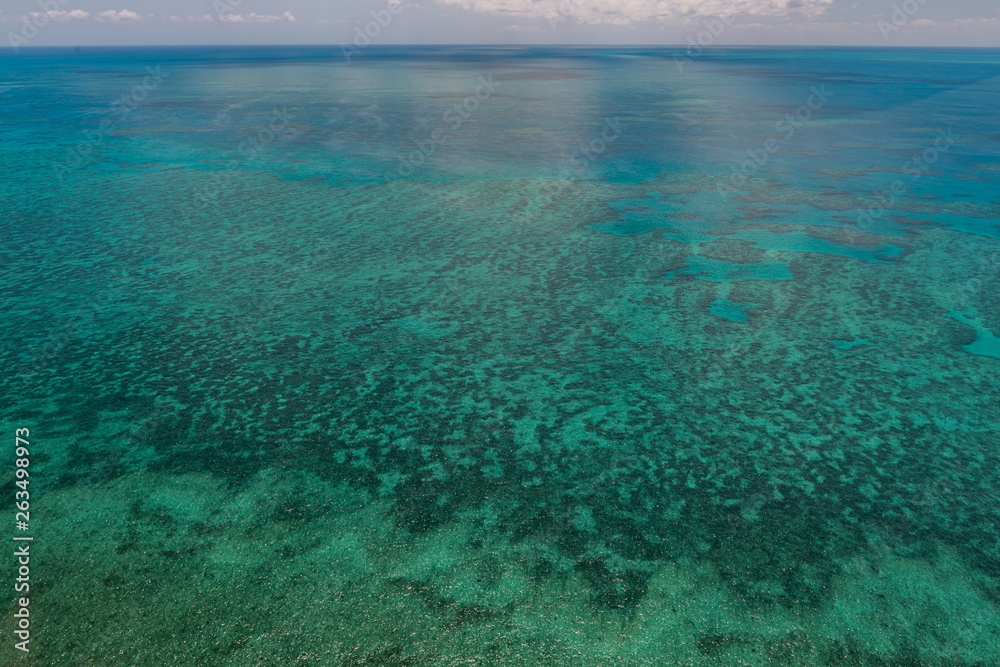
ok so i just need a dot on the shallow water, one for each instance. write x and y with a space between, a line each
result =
317 373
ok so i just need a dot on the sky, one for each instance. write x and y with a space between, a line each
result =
26 23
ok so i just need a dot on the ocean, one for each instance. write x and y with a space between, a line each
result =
503 355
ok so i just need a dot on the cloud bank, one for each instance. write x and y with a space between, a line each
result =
256 18
624 12
123 15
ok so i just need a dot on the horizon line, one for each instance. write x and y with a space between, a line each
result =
886 47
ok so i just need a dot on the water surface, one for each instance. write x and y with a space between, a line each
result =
612 364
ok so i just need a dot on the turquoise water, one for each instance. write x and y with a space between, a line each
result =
612 365
733 311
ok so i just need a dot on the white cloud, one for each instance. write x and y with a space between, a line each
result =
123 15
177 19
956 24
256 18
63 15
977 23
630 11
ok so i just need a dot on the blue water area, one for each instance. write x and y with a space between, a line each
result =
707 268
505 355
986 342
848 344
731 310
